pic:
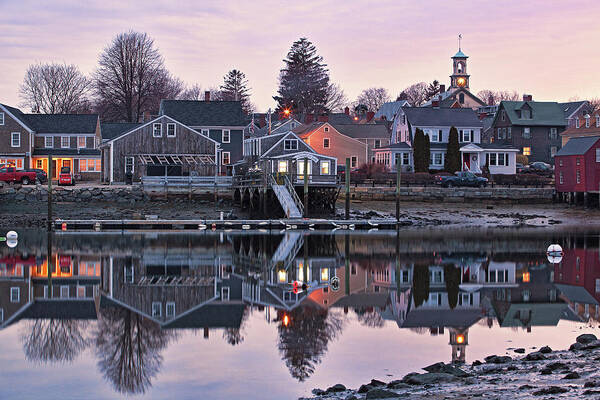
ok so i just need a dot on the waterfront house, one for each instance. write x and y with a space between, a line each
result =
577 165
26 141
533 127
574 110
221 121
160 147
586 125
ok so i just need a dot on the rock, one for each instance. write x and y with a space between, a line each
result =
336 388
519 350
556 365
594 344
393 383
375 383
476 363
551 390
545 350
429 378
590 392
576 346
364 388
591 384
586 338
381 394
447 369
494 359
572 375
351 397
535 356
318 392
526 387
546 371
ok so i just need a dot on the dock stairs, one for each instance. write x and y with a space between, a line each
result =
287 196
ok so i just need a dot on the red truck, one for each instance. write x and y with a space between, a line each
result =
12 175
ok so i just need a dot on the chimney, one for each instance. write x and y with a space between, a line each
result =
370 115
347 111
527 97
206 329
442 88
483 115
207 96
308 119
435 103
491 100
323 118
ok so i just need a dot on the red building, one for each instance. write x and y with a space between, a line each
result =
577 165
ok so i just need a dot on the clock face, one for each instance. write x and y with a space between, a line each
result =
461 82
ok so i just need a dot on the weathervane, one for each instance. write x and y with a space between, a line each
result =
459 39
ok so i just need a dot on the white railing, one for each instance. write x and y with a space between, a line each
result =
187 181
292 191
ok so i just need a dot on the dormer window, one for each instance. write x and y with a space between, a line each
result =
290 144
525 114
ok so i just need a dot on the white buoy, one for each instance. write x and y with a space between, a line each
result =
12 235
554 250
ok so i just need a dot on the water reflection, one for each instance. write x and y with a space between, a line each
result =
128 297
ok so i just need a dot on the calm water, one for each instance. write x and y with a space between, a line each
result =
217 316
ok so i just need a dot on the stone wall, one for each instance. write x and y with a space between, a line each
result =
130 194
453 195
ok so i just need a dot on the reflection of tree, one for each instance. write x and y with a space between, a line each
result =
420 284
370 317
54 340
128 348
452 278
235 336
304 341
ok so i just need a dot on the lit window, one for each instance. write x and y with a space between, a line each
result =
526 151
282 166
49 142
290 144
226 158
40 163
81 142
80 291
526 276
157 130
324 274
226 136
326 143
324 167
65 142
15 139
170 130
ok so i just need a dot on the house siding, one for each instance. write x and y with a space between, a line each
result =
340 146
588 168
6 130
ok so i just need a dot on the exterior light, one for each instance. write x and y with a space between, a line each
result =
286 320
460 339
286 111
356 118
526 276
282 274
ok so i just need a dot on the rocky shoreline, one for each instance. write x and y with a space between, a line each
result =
541 374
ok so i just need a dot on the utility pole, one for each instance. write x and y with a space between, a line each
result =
305 187
347 176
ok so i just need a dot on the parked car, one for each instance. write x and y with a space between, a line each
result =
41 175
461 179
540 168
12 175
65 177
519 167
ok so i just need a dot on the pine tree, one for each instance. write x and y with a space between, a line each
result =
452 161
432 90
426 153
304 80
235 88
421 164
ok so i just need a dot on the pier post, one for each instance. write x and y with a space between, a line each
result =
398 179
50 224
347 263
347 176
50 263
305 187
585 199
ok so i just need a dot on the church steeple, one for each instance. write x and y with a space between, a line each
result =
459 77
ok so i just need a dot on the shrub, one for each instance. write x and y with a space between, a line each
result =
452 162
522 159
371 169
521 179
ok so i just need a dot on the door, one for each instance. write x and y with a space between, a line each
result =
466 161
300 169
54 171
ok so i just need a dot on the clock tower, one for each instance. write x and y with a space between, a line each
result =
459 78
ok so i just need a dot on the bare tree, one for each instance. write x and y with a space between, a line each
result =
496 96
193 92
55 89
373 98
235 336
131 78
54 340
415 94
594 104
336 98
370 318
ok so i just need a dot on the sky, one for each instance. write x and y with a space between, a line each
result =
544 47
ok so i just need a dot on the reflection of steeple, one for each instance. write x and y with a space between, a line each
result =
459 339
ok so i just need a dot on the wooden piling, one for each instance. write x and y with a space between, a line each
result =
50 263
347 263
347 176
306 187
50 224
398 180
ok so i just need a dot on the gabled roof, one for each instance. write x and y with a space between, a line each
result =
205 113
394 146
450 96
111 130
339 118
578 146
429 116
390 109
571 107
363 131
544 113
62 123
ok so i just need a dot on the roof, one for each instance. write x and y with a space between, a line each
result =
394 146
576 294
111 130
456 318
497 146
542 314
428 116
571 107
578 146
363 300
544 113
204 113
212 315
62 123
460 54
66 152
339 118
363 131
390 109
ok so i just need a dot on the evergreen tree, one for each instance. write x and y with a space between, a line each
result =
432 90
426 152
304 81
452 161
452 280
419 150
420 284
235 88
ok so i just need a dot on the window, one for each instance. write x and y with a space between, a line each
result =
492 159
503 133
326 129
525 114
353 161
204 132
282 166
80 291
509 132
405 158
526 151
578 176
598 121
503 115
225 293
560 163
1 118
2 314
15 139
553 133
324 167
461 98
129 165
226 136
578 161
587 121
49 142
576 122
290 144
597 155
156 309
157 130
225 158
81 142
170 130
465 135
377 143
553 150
64 292
14 294
325 143
39 164
560 178
499 133
170 309
89 165
65 142
526 133
437 159
128 274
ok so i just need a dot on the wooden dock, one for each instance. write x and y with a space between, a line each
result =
216 224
